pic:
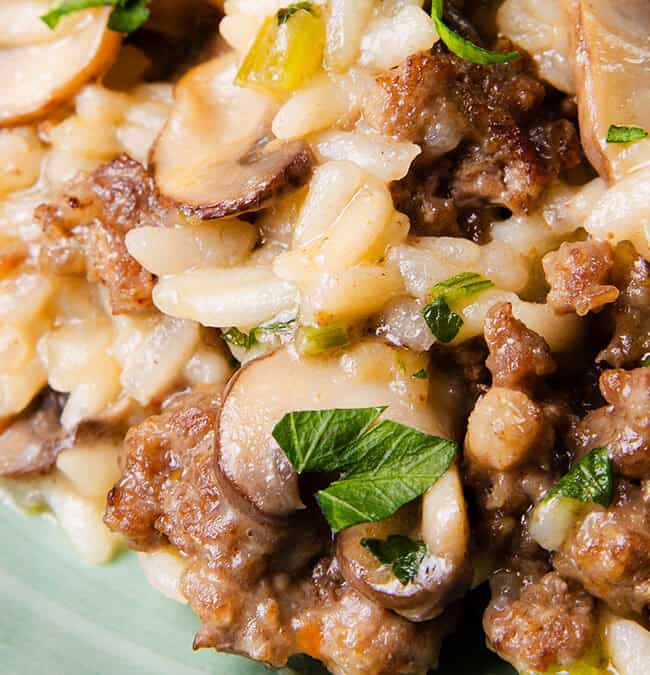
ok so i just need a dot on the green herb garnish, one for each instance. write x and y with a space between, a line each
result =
402 553
616 134
383 467
645 361
248 340
127 16
421 375
590 480
285 14
444 323
313 341
464 48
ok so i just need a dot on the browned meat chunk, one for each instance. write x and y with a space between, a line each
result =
579 275
609 552
518 358
547 622
84 231
256 587
31 443
631 313
507 151
623 426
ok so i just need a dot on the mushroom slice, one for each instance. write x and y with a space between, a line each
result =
441 522
264 390
40 74
214 157
31 443
613 79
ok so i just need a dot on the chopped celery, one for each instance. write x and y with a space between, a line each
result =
312 341
287 50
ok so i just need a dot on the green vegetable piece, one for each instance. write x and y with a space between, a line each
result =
287 50
318 440
391 465
421 375
442 321
313 341
236 338
403 553
616 134
645 361
464 48
589 480
127 16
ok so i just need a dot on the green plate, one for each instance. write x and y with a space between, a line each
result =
61 617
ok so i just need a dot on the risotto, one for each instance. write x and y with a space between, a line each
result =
336 311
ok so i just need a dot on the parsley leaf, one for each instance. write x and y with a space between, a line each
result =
616 134
404 554
421 375
442 321
127 16
317 440
464 48
390 465
285 14
384 467
589 480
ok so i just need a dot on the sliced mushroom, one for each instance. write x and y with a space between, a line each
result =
613 77
32 442
441 522
214 157
262 392
42 69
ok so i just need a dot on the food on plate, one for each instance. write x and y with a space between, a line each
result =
338 313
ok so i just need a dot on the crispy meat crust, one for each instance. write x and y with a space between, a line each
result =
84 230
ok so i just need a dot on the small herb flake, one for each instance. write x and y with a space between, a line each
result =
444 323
645 361
464 48
617 134
403 553
126 17
589 480
421 375
285 14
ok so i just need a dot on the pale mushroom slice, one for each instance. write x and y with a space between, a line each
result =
263 391
42 69
215 156
612 64
440 521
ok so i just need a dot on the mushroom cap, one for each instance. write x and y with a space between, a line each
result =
41 69
440 520
214 158
264 390
612 64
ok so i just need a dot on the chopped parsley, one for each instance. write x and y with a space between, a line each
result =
589 480
444 323
285 14
464 48
382 467
403 554
616 134
126 17
421 375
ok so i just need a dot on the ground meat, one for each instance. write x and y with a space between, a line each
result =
631 314
518 358
541 623
83 232
30 444
623 426
505 149
609 552
258 589
579 274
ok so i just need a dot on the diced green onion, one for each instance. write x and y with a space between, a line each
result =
287 50
616 134
464 48
313 341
